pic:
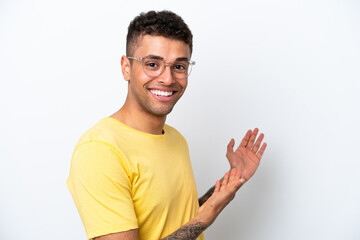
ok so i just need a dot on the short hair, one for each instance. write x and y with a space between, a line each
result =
164 23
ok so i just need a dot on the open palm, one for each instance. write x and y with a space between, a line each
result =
247 156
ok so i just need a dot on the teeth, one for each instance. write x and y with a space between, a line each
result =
161 93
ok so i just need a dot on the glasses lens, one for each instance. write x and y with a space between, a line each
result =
181 69
153 67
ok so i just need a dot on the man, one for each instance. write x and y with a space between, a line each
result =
130 175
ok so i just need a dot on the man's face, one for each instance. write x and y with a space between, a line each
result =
156 95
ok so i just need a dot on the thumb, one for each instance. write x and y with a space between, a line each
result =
230 146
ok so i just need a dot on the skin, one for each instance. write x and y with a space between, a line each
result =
140 103
147 113
246 158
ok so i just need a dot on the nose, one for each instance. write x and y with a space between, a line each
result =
166 77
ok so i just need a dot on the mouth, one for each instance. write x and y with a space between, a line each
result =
160 93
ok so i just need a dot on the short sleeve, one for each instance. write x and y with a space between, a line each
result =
101 189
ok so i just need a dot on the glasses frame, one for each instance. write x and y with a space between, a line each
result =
141 59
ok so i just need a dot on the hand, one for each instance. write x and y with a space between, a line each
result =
222 195
246 157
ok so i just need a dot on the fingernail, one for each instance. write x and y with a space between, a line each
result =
242 180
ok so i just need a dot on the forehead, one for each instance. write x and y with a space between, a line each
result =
161 46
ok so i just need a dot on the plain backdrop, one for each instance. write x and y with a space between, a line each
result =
289 67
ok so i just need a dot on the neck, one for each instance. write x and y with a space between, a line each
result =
140 120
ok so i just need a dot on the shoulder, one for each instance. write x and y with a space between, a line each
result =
97 149
102 132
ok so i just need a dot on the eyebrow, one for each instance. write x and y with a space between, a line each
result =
154 57
182 59
161 58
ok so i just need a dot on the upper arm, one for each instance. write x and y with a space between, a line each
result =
101 190
127 235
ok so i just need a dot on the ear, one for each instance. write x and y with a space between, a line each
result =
125 68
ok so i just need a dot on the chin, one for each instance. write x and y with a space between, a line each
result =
160 112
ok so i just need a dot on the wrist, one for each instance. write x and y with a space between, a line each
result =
202 218
232 165
207 215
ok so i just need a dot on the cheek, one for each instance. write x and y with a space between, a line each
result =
184 83
139 79
137 74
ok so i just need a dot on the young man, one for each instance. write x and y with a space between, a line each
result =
130 175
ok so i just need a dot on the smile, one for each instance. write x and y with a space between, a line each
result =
161 93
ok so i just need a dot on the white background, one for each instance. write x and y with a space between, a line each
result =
291 68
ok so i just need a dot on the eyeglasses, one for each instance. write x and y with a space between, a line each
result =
154 66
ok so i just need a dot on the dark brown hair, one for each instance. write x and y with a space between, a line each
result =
164 23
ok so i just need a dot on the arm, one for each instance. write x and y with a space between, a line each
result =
245 159
206 214
187 232
206 196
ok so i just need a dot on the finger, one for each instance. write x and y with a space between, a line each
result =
261 151
232 175
236 179
238 175
225 181
257 143
245 139
252 138
237 184
235 176
217 186
230 146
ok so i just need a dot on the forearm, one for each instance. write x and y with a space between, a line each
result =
206 196
189 231
221 196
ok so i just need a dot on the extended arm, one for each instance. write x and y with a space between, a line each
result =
243 161
206 214
206 196
245 158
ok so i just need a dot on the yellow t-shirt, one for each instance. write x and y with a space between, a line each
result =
122 179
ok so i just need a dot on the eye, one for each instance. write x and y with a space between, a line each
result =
180 66
152 64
